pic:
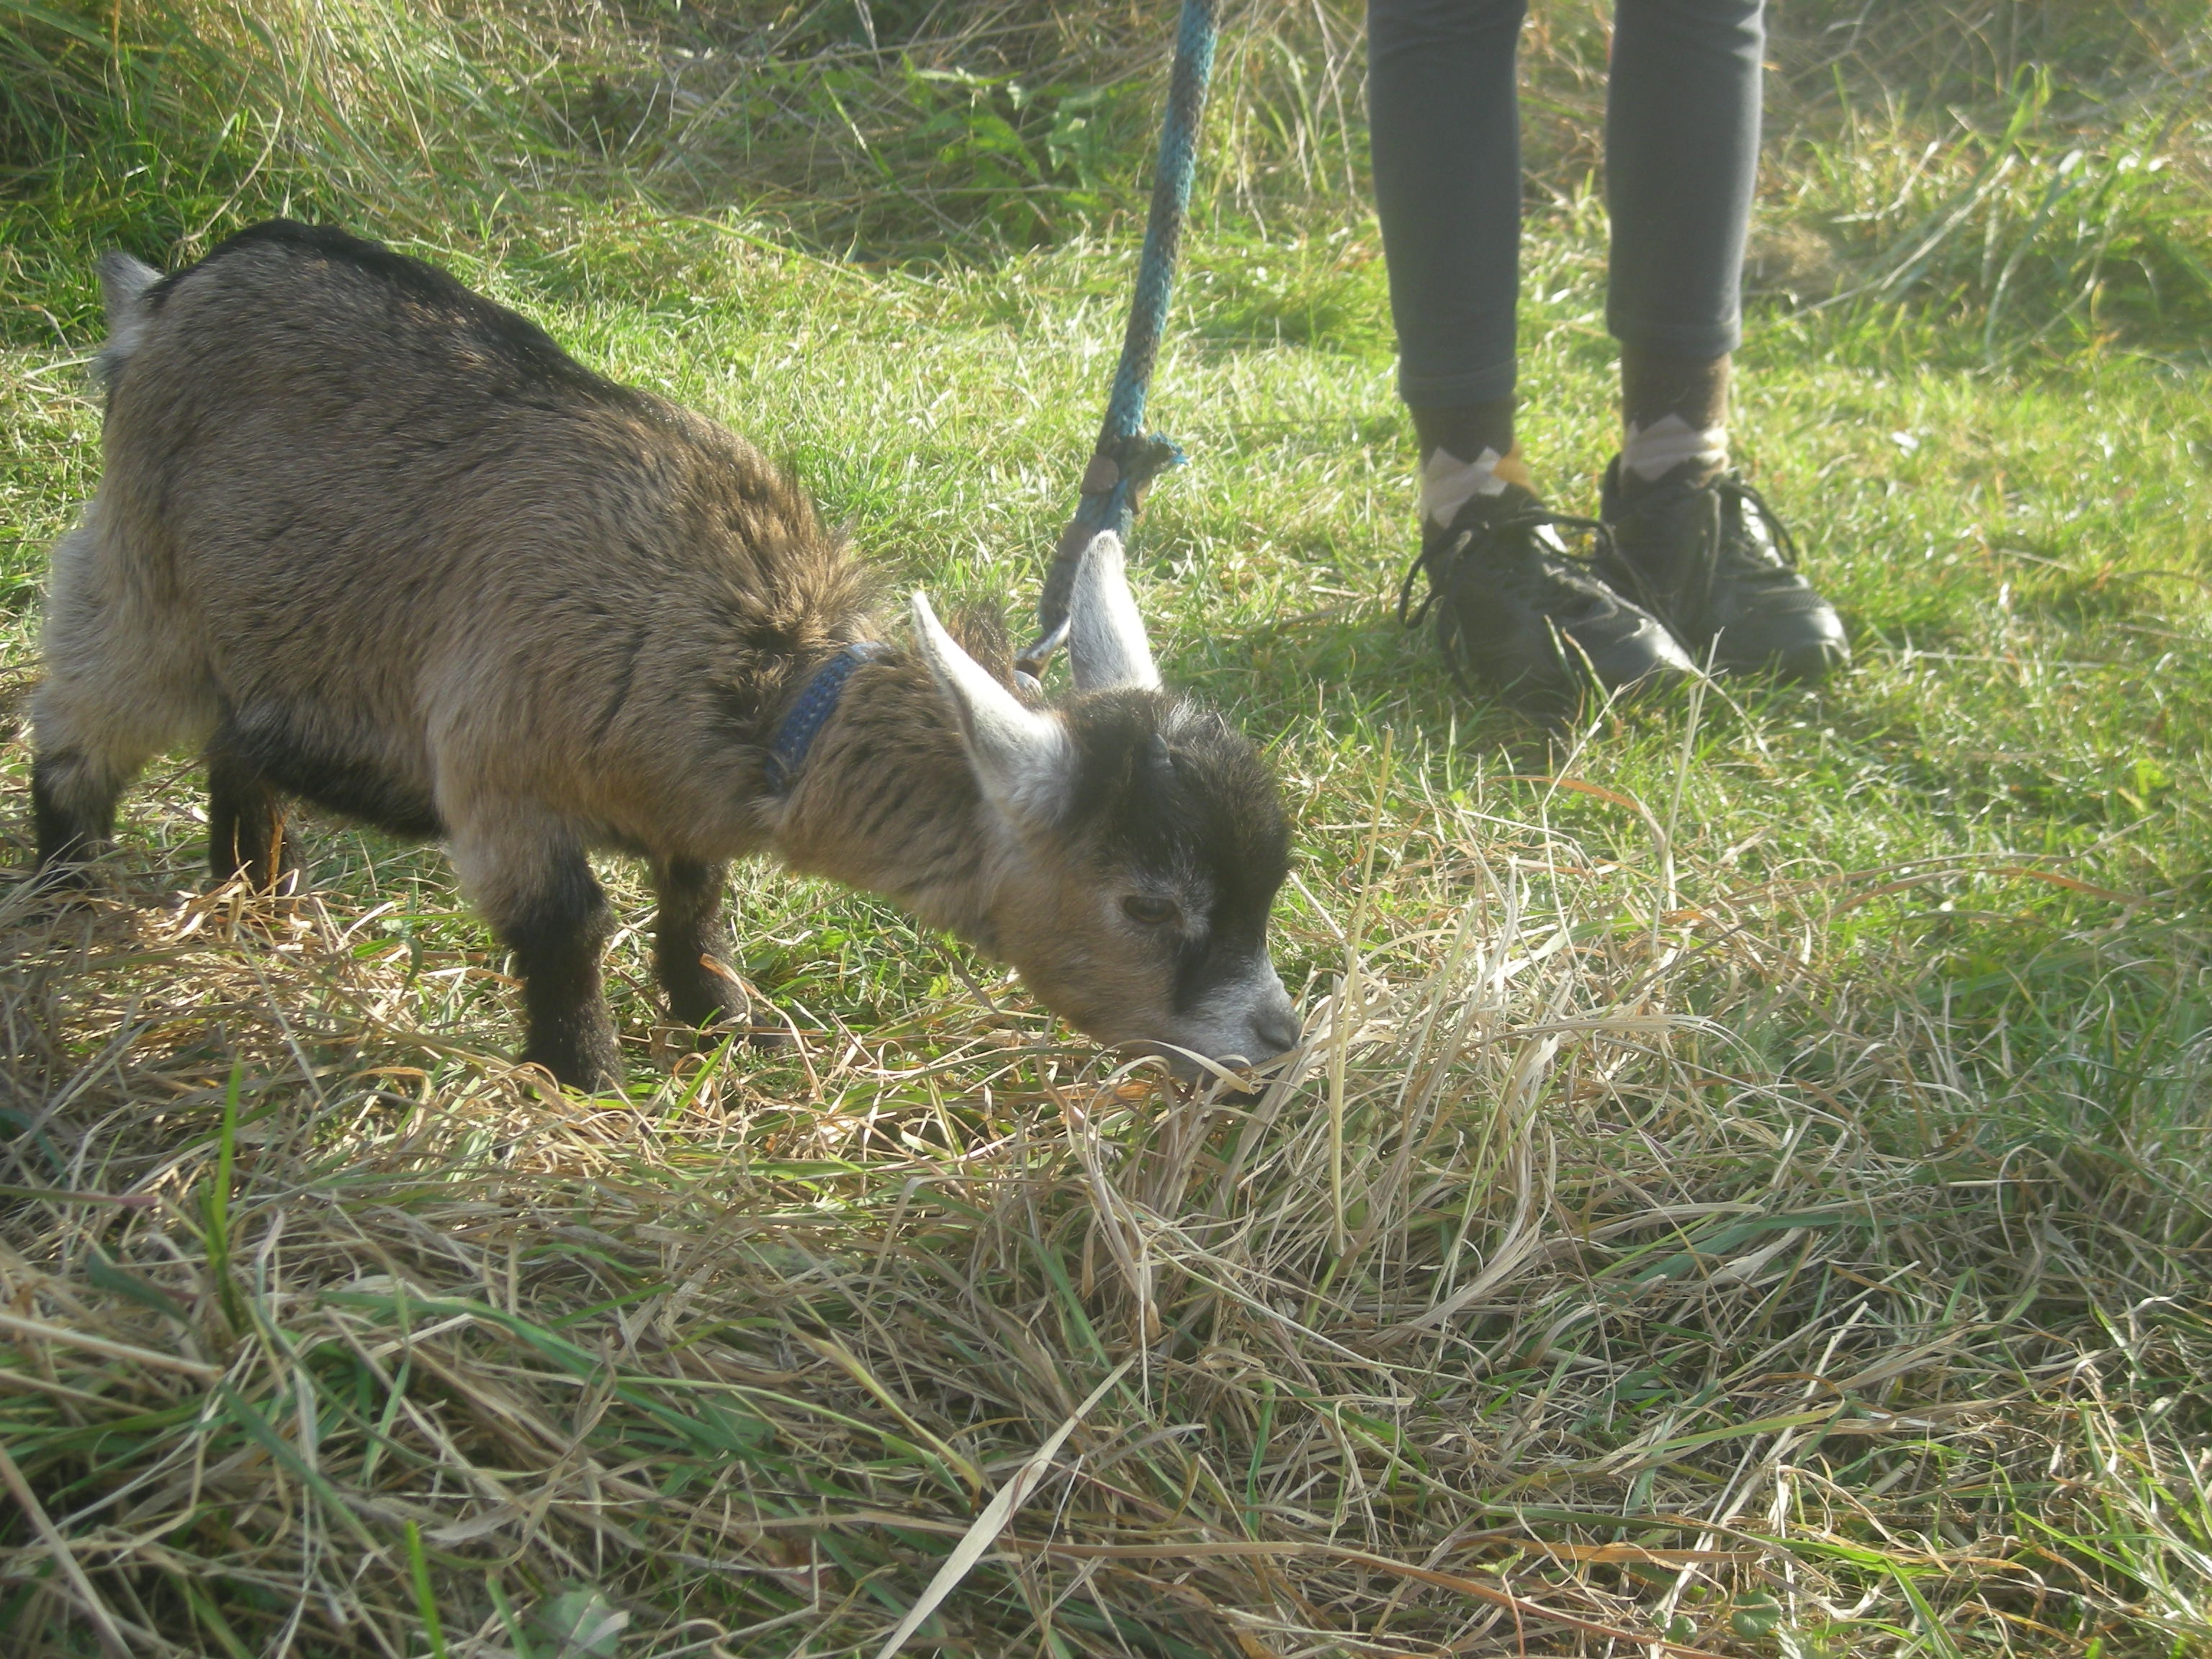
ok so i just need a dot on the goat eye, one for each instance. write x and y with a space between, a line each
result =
1138 907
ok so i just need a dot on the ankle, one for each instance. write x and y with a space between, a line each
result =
1448 483
1464 431
1673 418
1654 385
1671 450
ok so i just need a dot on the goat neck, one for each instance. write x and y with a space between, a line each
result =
887 802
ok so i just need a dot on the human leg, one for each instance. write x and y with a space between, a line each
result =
1682 109
1512 608
1445 132
1444 103
1696 544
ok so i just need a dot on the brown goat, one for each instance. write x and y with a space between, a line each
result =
378 542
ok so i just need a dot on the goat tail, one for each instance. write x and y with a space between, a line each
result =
124 283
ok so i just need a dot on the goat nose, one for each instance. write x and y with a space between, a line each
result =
1277 1030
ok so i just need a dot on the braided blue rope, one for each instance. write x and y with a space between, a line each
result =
1125 460
1178 165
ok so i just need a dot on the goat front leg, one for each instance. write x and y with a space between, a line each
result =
691 925
531 879
246 823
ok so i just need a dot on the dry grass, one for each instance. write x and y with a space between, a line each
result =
1527 1312
1678 1226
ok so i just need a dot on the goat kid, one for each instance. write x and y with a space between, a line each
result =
376 543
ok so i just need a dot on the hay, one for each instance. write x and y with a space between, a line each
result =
1529 1310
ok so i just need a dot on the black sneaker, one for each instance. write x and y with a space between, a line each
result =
1718 563
1516 610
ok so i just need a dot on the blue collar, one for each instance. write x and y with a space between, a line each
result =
786 752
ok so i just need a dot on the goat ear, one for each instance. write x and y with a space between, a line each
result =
1021 756
1106 644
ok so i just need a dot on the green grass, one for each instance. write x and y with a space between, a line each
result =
1796 1103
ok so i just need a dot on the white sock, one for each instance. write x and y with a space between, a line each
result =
1652 452
1447 483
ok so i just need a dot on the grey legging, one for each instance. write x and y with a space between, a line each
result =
1681 145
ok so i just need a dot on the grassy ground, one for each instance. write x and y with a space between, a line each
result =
1746 1186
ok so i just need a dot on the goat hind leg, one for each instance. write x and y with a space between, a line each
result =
88 750
690 928
72 811
120 688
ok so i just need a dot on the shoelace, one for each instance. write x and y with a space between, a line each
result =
1449 555
1784 545
1779 554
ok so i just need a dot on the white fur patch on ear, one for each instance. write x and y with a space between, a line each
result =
1022 757
1106 645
